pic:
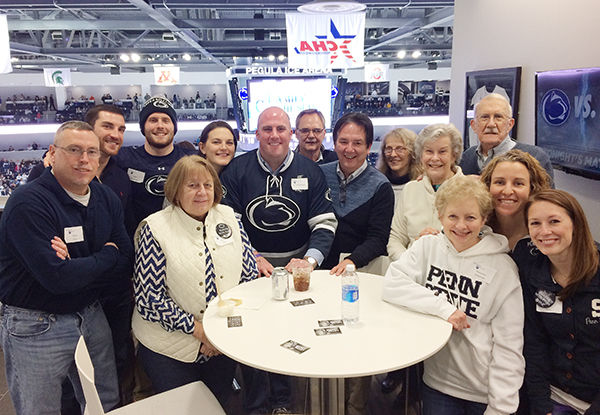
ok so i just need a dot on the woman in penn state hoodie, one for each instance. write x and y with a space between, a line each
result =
465 276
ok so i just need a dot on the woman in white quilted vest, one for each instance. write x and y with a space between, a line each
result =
186 254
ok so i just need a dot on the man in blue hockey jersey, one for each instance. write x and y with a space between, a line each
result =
284 203
283 198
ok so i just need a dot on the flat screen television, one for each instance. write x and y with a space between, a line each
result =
291 94
568 119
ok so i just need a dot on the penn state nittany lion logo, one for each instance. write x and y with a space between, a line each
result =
159 102
555 107
155 185
273 212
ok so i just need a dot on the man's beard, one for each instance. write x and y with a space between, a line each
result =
159 144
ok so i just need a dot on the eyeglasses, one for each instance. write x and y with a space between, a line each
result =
306 131
398 150
500 118
75 151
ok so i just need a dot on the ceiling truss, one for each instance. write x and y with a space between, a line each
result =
215 35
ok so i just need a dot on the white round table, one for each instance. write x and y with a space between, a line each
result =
386 338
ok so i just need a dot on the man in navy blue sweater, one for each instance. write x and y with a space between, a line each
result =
362 196
363 201
62 241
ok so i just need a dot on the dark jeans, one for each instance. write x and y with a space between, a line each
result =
167 373
438 403
264 390
118 308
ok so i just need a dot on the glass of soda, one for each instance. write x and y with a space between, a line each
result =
301 272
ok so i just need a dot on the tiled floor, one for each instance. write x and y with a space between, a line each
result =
379 403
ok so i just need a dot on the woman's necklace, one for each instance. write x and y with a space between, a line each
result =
560 278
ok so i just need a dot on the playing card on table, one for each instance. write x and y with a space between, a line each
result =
325 331
329 323
234 321
295 346
305 301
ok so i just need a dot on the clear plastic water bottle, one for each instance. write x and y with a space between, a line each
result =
350 295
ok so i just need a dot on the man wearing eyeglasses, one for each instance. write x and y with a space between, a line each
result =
310 132
363 201
492 124
62 240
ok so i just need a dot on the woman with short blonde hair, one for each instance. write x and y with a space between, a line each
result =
464 275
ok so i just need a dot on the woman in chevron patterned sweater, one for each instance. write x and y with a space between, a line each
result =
186 254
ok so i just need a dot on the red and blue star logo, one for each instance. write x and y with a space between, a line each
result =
336 46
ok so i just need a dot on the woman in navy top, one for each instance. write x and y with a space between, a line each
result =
561 291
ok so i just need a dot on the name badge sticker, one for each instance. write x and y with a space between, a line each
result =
547 302
73 234
556 308
481 272
300 184
136 176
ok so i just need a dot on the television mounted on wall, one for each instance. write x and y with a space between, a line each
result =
568 119
291 94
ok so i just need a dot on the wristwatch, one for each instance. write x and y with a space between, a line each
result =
313 262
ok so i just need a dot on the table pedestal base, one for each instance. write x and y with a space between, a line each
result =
327 396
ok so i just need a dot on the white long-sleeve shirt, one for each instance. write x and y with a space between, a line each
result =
414 211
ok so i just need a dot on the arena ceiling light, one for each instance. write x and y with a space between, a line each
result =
331 7
186 57
124 57
416 54
401 54
135 57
